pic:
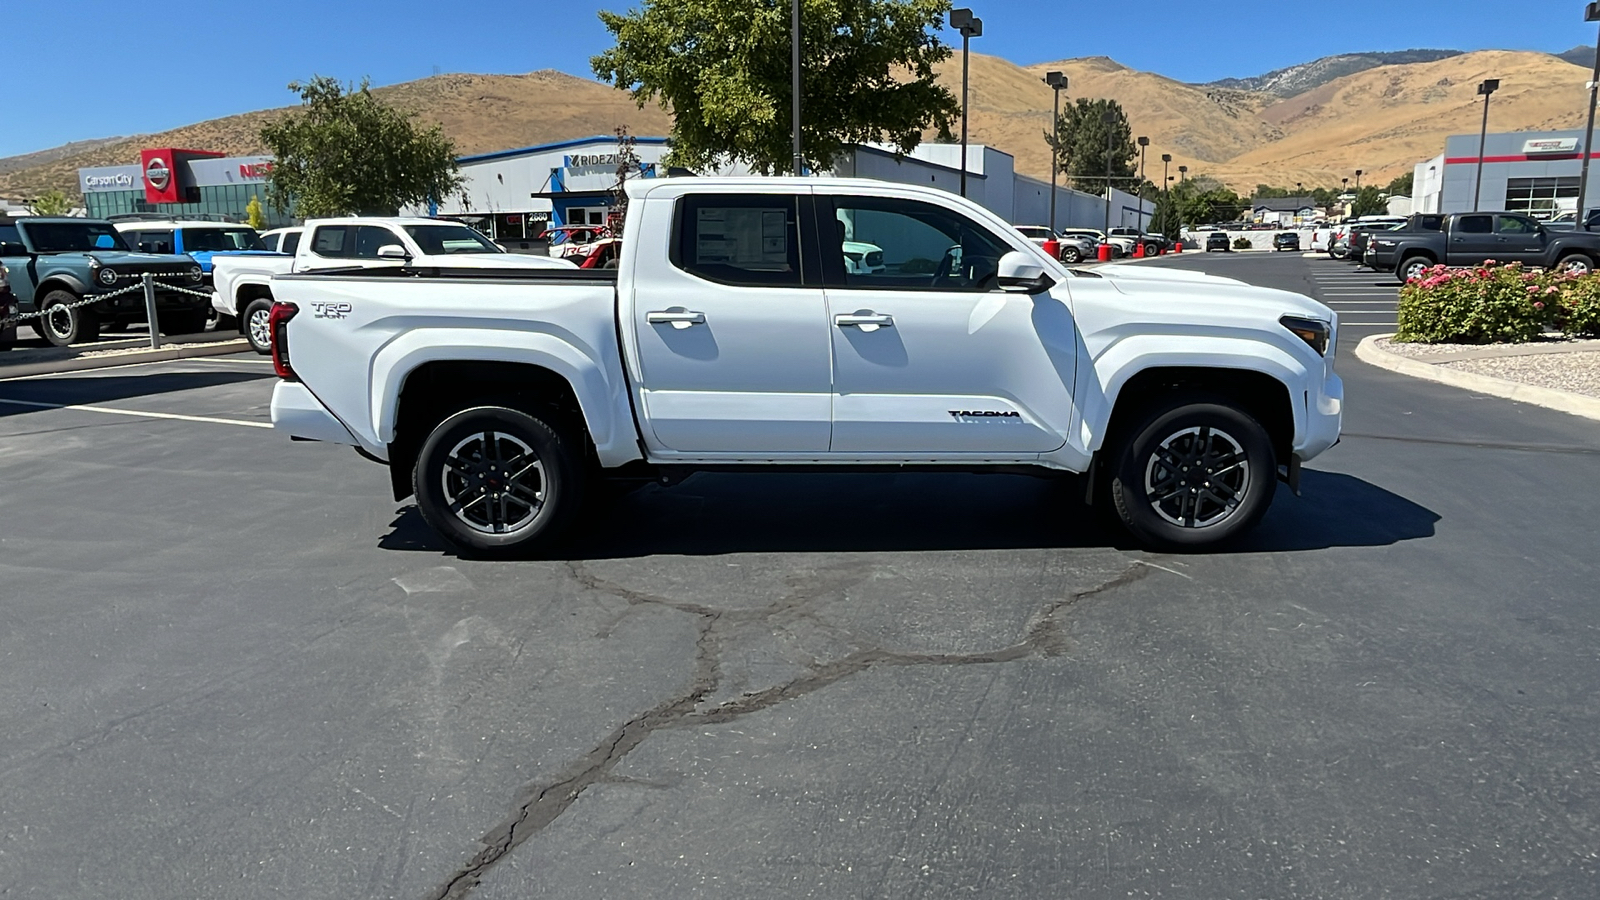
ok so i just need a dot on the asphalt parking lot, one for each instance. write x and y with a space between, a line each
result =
232 667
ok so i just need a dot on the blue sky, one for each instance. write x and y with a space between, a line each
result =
108 70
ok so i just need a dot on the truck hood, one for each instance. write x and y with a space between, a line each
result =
1186 293
123 259
1120 274
496 261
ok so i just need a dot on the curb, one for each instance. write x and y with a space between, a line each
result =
1549 398
83 364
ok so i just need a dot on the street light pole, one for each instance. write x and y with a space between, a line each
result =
970 27
1058 83
1108 118
1166 160
1486 89
1590 14
794 86
1144 144
1358 182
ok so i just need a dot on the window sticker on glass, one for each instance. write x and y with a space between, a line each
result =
747 238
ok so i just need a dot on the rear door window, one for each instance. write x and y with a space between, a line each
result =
333 240
737 239
1475 224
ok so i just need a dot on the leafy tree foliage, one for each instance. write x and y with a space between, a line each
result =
1081 140
1370 201
1403 186
722 68
51 203
347 152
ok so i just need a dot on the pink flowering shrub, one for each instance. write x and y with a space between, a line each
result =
1578 308
1483 305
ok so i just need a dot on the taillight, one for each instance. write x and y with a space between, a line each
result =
278 327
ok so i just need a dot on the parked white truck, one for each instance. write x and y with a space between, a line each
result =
734 335
242 285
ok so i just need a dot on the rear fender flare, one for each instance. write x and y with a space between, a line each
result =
604 404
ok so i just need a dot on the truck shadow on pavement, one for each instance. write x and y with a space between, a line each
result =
713 514
91 390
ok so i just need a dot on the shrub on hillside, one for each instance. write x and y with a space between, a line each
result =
1484 305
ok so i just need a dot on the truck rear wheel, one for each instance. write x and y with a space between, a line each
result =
1192 474
1412 267
498 482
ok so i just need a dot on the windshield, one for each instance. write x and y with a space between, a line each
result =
203 240
66 237
438 240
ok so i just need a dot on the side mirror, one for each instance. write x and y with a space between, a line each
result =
393 251
11 248
1020 272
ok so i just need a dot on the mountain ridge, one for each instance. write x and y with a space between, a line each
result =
1291 81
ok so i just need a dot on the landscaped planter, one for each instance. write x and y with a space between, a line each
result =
1497 304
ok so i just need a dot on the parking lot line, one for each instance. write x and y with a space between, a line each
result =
137 413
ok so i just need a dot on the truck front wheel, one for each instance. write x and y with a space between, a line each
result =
498 482
1192 474
62 326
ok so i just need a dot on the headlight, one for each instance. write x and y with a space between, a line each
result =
107 276
1313 331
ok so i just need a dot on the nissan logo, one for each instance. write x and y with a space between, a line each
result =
158 174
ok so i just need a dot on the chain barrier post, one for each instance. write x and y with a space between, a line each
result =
150 310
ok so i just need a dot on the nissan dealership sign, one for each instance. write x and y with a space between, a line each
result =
1546 146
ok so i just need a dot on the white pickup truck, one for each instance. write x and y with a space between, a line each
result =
734 335
242 285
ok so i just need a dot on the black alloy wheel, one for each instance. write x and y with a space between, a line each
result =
498 482
1195 473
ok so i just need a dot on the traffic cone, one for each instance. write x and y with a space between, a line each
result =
1104 253
1138 250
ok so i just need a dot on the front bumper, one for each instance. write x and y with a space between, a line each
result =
1324 418
8 308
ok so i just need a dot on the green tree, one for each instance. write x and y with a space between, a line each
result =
252 214
1084 132
347 152
1403 186
51 203
1369 202
721 67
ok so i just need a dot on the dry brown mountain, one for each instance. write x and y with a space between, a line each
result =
481 113
1382 120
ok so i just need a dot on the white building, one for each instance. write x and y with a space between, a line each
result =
1533 172
517 194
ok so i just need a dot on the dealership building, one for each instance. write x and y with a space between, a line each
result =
1534 172
180 183
515 195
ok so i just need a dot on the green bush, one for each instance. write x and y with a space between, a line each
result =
1488 304
1242 243
1578 308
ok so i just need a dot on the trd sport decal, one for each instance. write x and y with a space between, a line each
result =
983 414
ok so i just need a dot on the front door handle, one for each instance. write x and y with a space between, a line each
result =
677 317
866 320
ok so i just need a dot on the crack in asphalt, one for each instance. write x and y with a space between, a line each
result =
1042 637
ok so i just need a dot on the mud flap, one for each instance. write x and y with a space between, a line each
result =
1290 474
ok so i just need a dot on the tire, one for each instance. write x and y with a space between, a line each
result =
76 326
1575 264
1071 256
182 321
537 504
254 323
1234 453
1412 267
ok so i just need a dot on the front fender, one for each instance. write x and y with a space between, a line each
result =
597 383
1112 369
49 281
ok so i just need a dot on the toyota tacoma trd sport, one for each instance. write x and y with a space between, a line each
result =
734 335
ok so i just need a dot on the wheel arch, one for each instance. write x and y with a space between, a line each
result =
1264 394
58 283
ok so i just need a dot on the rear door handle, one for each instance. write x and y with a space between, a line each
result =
866 321
677 317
